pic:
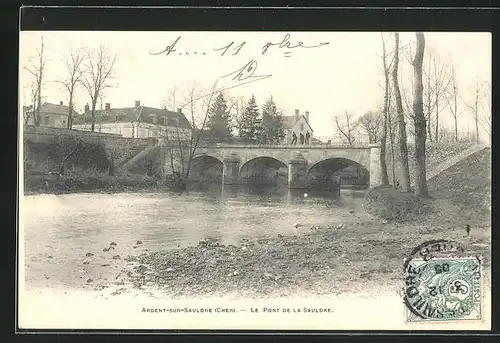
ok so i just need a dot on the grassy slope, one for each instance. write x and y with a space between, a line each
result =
464 190
435 155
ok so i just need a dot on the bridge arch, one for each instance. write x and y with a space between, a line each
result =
282 162
323 173
263 170
209 155
206 168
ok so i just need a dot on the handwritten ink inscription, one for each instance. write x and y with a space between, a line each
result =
247 73
285 43
225 48
235 48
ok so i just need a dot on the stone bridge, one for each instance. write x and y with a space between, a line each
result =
299 160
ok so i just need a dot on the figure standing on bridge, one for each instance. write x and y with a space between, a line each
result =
294 138
301 138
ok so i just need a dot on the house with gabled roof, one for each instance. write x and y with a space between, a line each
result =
137 122
299 125
50 115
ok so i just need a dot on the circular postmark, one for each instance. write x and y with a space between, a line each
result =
442 283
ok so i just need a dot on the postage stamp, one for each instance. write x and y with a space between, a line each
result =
441 284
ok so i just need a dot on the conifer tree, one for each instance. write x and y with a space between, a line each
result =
219 120
251 126
273 131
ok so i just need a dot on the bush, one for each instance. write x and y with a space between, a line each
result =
391 204
175 181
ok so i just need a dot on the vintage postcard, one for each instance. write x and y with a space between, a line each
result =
254 180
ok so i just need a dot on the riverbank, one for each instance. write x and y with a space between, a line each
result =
321 261
54 184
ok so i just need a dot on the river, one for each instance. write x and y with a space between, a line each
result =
59 230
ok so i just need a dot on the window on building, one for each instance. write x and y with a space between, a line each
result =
301 127
46 120
154 119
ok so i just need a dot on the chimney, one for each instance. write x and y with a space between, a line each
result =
179 110
296 114
87 108
307 116
137 103
108 106
60 102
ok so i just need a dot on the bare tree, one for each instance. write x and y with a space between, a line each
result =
385 121
99 69
347 129
485 106
371 124
474 107
187 145
440 81
236 108
428 93
30 109
480 107
73 62
171 101
407 101
403 148
37 69
453 99
419 119
392 126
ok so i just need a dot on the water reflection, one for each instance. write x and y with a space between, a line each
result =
262 192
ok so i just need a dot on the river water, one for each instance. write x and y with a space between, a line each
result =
60 229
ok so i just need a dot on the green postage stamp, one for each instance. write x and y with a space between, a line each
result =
443 289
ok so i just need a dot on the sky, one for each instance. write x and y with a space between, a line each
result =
343 73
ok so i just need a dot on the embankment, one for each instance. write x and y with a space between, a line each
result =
59 160
459 194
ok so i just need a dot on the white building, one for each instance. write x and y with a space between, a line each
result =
137 122
299 125
50 115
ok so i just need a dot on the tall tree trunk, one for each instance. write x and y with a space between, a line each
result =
456 129
403 148
39 85
70 111
477 125
419 120
92 126
391 137
455 116
429 130
383 139
436 139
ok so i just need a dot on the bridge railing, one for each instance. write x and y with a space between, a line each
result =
335 145
286 146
